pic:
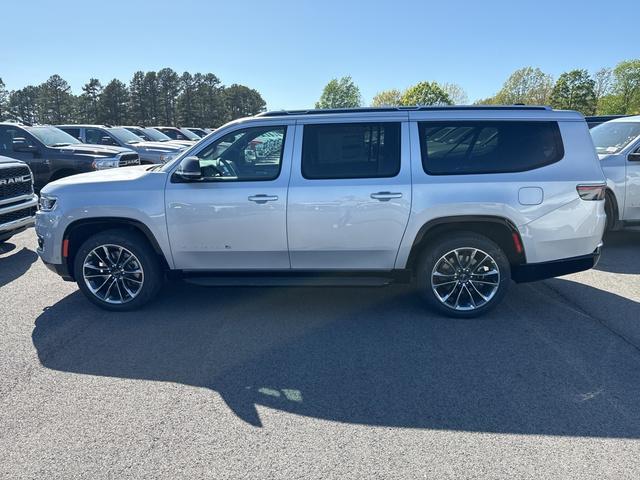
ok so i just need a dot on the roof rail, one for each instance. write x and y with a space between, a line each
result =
278 113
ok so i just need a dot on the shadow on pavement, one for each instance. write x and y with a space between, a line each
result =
365 356
16 264
621 252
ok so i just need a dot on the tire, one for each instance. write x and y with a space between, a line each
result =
475 293
609 209
121 259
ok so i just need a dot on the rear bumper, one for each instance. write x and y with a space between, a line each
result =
530 272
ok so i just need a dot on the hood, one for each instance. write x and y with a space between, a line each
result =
9 160
182 143
157 146
111 175
89 149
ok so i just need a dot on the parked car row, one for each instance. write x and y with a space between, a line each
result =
54 152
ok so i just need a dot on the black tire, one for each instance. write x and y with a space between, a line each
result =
464 242
610 210
149 263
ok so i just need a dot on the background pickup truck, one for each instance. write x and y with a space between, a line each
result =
18 203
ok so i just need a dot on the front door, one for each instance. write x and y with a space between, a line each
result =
30 152
350 195
632 170
235 217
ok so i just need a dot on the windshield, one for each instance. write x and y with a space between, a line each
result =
156 135
52 136
611 137
189 134
125 136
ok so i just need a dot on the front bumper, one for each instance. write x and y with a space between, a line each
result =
531 272
28 204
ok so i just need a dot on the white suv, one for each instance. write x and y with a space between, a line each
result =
459 200
617 143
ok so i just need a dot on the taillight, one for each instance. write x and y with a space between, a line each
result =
591 192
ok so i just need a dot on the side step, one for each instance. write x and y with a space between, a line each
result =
289 281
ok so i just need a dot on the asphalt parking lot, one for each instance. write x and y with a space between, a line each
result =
321 382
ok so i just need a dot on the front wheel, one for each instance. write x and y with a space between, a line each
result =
118 270
463 276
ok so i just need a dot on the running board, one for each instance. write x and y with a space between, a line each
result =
293 281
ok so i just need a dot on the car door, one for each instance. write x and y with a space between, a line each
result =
349 194
632 190
235 216
19 144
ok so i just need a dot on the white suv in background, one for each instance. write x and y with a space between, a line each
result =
459 200
617 143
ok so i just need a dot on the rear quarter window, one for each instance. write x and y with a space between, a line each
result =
471 147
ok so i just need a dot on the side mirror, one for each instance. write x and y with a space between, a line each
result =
634 157
189 170
107 140
21 145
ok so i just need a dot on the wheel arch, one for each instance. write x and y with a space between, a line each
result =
498 229
78 231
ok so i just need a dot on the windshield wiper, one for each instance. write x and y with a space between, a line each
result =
60 144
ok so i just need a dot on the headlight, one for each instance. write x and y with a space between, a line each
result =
47 203
104 163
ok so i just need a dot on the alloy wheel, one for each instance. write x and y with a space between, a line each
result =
465 279
113 274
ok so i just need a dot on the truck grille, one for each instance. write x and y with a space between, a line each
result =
10 189
129 159
17 215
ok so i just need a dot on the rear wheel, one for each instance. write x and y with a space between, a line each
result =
610 210
464 276
118 270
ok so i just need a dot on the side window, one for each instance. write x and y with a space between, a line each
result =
98 137
250 154
74 132
9 137
170 133
467 147
351 150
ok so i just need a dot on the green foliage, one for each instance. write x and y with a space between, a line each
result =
151 98
89 101
114 103
387 98
528 85
627 85
456 93
56 101
340 93
574 90
243 101
425 93
4 100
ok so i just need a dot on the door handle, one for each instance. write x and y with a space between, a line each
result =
262 198
385 196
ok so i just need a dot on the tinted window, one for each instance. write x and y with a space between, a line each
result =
454 148
74 132
98 136
351 150
250 154
10 134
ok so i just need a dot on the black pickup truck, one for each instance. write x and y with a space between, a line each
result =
53 154
18 202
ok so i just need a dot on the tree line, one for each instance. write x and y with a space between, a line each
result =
150 98
608 91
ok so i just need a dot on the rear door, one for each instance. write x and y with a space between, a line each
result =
349 195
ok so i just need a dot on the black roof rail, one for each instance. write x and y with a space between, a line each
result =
278 113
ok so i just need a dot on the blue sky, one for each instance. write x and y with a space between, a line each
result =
288 50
